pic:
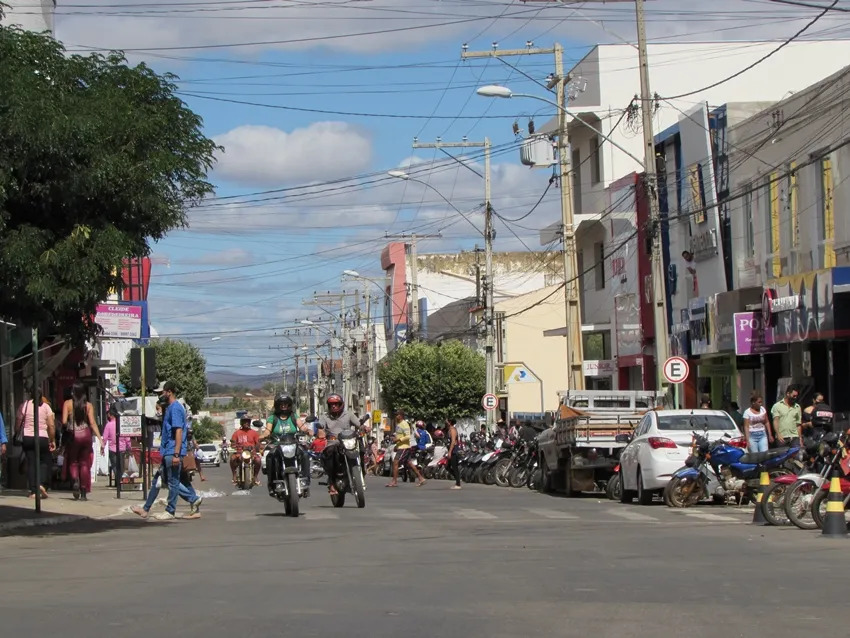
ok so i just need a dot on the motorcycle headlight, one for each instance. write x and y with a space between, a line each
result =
349 444
246 455
288 450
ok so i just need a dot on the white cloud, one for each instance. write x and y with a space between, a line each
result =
228 257
267 156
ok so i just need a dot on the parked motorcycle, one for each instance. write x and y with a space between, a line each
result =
734 472
349 470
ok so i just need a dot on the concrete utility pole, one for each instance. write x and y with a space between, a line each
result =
338 299
572 300
659 296
413 316
490 347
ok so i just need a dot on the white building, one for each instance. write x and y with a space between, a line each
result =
28 15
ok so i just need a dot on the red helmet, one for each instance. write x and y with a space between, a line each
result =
420 424
335 405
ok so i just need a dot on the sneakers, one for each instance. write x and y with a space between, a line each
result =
195 507
164 516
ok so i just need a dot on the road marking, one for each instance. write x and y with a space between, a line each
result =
398 515
633 516
477 515
240 517
319 515
705 516
554 514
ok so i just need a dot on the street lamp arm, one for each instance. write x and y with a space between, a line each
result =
446 199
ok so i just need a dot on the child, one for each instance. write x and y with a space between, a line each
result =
320 442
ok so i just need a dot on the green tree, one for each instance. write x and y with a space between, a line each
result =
99 158
434 382
207 430
180 362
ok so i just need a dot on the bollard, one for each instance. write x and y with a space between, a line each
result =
758 515
834 525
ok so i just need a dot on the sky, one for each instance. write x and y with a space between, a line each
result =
314 101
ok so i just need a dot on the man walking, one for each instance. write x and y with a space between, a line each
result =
454 453
403 457
788 419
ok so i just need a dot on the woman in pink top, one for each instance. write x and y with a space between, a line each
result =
37 475
109 438
78 417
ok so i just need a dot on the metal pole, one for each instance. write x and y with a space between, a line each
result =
413 328
118 464
36 407
145 453
490 346
346 382
650 179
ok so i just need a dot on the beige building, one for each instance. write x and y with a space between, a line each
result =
520 326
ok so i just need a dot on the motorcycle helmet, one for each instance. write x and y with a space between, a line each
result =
282 402
335 405
420 425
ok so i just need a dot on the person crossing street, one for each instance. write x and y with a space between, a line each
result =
404 451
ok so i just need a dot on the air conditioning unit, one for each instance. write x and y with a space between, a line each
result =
537 151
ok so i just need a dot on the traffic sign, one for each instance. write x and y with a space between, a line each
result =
489 402
676 370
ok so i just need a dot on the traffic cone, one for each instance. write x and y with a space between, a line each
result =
758 515
834 525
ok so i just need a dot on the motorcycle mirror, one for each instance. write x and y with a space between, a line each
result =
257 423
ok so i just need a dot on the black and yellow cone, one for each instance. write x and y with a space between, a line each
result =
758 514
834 525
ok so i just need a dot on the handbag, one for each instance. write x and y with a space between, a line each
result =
18 437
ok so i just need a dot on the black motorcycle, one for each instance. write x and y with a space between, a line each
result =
349 470
288 486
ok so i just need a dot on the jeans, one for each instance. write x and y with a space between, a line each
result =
758 442
175 488
45 462
78 456
454 467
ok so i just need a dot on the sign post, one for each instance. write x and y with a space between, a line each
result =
676 370
489 402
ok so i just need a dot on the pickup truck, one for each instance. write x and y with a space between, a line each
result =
579 452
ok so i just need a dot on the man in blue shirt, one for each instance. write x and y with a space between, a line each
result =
3 441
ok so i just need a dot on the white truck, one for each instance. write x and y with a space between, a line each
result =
581 449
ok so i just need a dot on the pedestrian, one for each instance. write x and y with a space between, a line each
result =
190 461
404 452
454 452
705 402
117 445
79 423
757 429
734 411
527 432
3 441
172 448
38 477
788 418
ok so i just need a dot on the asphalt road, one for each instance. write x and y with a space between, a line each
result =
417 562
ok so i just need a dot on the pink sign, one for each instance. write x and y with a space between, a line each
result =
750 335
119 322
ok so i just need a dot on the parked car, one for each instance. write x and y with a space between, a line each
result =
207 454
660 445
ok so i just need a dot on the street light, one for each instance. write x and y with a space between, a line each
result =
497 91
353 273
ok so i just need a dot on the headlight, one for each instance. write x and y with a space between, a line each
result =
349 444
246 455
288 450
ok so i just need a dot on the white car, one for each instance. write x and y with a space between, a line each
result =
207 454
660 445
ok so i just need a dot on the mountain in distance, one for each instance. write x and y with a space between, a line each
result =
250 381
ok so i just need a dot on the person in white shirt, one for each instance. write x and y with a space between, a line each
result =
757 428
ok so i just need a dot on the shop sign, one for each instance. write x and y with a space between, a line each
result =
801 307
600 368
699 324
715 370
629 333
726 305
750 336
704 245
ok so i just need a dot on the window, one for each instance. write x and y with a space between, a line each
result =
749 231
599 265
595 160
696 422
768 220
580 275
575 171
826 211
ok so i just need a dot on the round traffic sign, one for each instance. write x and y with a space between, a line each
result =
676 370
489 402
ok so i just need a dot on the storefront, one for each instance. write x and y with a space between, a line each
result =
600 374
635 367
810 313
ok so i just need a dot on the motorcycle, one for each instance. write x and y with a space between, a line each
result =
245 471
349 477
731 468
289 487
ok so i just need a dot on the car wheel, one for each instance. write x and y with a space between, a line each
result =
626 496
644 496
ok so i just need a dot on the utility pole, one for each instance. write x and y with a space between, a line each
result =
370 350
413 316
490 348
659 297
338 299
296 378
572 301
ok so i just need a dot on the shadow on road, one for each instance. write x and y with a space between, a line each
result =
9 513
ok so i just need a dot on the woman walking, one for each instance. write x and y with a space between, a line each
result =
117 445
78 417
38 476
756 425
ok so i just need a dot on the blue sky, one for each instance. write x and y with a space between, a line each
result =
303 195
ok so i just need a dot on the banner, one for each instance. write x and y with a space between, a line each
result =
119 321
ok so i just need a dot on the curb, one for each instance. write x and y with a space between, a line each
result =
59 519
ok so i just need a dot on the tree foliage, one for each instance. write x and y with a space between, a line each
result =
207 430
434 382
180 362
98 159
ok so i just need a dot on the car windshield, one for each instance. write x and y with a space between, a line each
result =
695 422
207 448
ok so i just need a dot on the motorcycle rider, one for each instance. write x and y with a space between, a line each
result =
818 415
336 421
245 438
280 422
